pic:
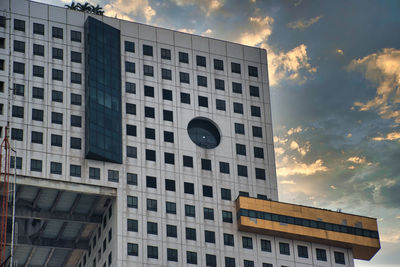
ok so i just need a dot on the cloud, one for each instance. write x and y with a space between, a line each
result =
291 131
333 187
207 6
390 137
349 135
287 182
302 150
383 70
303 24
357 160
288 65
339 51
208 32
190 31
124 8
294 167
258 31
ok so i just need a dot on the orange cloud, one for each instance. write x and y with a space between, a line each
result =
303 24
390 137
122 9
294 167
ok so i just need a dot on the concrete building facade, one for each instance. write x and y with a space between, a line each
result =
133 143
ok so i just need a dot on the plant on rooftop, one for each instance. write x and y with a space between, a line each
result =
86 7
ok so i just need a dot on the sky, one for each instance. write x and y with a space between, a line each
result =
334 71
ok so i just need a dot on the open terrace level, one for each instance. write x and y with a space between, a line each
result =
309 224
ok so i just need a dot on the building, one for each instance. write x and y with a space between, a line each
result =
142 146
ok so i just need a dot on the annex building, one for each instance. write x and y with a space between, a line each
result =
141 146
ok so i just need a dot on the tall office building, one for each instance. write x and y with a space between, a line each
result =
142 146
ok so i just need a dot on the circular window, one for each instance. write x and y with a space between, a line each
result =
204 133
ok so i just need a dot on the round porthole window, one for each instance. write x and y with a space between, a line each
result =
204 133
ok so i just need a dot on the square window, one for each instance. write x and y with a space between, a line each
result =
167 94
169 158
170 207
201 80
247 242
255 111
76 121
230 262
238 108
244 194
2 21
241 149
239 128
257 131
131 178
15 162
253 71
130 108
76 36
267 265
191 257
19 46
190 211
220 104
266 245
152 228
172 254
219 84
166 74
321 254
113 176
206 164
76 99
133 249
248 263
229 240
130 67
56 140
76 57
17 111
302 251
207 191
76 143
284 248
208 214
17 134
242 170
187 161
168 137
38 71
260 173
149 112
130 88
185 98
165 53
129 46
38 28
227 216
75 170
258 152
57 32
149 91
38 50
184 77
224 167
152 252
94 173
226 194
148 70
188 188
201 61
57 75
211 260
218 64
57 53
37 137
17 67
183 57
261 196
170 185
56 118
172 231
132 202
147 50
151 182
235 67
36 165
168 115
254 91
339 257
203 101
56 96
151 204
131 152
131 130
19 25
237 88
209 236
190 233
76 78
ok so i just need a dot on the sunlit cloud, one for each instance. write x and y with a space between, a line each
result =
349 135
390 137
357 160
333 187
207 6
124 8
383 70
293 167
339 51
287 182
291 131
190 31
301 149
303 24
260 28
208 32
